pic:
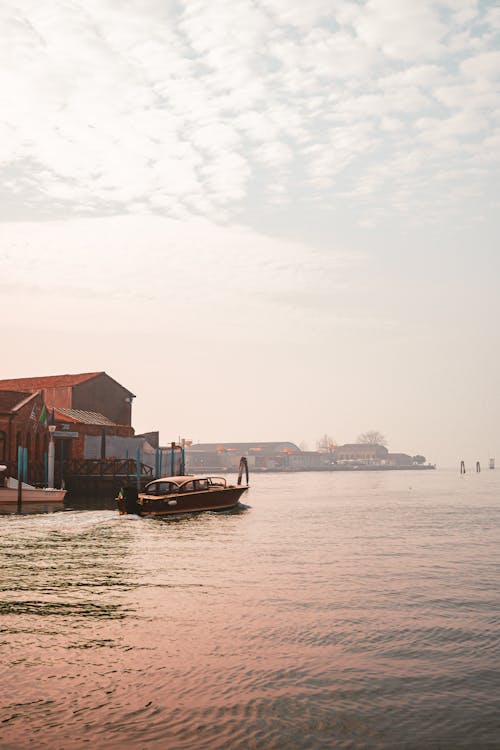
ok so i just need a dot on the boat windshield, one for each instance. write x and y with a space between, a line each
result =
217 482
195 485
161 488
202 484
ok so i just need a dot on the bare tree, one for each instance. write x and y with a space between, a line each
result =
372 437
326 443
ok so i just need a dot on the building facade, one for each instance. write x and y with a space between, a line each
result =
79 406
22 426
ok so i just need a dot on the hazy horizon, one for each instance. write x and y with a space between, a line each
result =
269 221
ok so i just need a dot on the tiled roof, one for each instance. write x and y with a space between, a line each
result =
9 399
48 381
82 417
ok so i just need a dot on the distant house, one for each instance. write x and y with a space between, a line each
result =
366 453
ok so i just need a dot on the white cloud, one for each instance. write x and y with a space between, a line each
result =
193 107
404 30
484 67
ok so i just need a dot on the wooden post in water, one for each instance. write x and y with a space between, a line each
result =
51 458
172 458
25 465
478 467
138 467
462 467
20 454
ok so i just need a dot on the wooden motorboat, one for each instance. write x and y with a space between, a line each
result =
183 494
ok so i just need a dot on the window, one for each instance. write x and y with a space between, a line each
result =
217 482
161 488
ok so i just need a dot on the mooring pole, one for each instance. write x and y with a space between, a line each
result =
462 467
478 466
20 454
172 454
138 467
25 465
51 458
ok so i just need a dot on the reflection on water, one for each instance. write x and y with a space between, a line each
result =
334 611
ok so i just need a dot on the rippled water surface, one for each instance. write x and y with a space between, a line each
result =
344 610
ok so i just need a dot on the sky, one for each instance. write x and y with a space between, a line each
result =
269 219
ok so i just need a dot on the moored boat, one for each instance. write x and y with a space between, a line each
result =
169 496
29 494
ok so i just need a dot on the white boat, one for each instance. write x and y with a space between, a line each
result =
30 494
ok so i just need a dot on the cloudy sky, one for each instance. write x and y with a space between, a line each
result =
269 219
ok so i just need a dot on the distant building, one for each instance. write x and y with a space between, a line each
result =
226 456
309 461
400 459
363 453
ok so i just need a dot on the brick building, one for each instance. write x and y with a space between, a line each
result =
89 391
21 425
84 404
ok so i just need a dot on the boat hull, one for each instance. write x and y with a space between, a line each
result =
189 502
8 495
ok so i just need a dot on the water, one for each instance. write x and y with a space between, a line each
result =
346 610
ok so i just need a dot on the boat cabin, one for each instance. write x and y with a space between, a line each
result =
174 485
